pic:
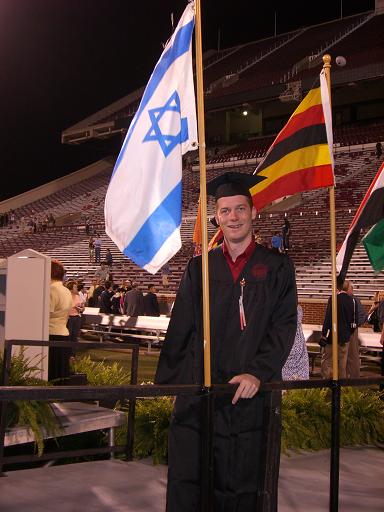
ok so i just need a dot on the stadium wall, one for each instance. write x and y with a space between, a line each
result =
314 310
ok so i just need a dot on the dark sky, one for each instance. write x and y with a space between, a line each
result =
62 60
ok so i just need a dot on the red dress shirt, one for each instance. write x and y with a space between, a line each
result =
238 265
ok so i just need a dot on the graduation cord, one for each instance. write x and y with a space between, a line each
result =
243 322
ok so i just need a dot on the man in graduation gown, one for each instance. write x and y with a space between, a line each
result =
253 319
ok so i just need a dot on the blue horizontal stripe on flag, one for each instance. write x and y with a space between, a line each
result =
180 45
156 230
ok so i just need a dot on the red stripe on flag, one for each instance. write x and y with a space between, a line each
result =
294 182
311 116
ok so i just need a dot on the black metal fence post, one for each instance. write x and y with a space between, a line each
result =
335 448
270 456
3 406
207 426
132 406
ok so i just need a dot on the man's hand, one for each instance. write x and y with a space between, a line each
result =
248 386
382 339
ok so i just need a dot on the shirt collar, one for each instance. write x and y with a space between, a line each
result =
246 254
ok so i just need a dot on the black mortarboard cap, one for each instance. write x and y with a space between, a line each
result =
232 184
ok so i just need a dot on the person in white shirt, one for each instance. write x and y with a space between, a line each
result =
60 306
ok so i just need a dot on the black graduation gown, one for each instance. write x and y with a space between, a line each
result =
260 349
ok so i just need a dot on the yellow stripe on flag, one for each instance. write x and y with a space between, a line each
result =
302 158
311 99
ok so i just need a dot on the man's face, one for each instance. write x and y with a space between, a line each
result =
234 215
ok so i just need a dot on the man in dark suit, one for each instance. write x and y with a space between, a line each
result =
105 298
134 301
151 304
346 324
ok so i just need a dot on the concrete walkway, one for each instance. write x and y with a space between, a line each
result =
117 486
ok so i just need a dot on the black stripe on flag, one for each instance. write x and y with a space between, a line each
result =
308 136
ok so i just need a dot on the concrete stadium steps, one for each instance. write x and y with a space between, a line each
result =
315 281
76 261
310 238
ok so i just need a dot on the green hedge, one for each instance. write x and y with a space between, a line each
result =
30 413
306 421
101 373
306 414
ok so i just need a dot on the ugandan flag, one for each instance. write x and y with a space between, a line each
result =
301 156
369 213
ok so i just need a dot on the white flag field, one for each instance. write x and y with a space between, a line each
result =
143 201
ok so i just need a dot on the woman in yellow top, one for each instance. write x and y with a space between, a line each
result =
60 306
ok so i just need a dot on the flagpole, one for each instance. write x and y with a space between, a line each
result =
335 389
332 216
203 195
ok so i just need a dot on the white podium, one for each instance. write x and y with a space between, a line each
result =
27 304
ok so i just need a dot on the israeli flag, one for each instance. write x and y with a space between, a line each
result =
143 201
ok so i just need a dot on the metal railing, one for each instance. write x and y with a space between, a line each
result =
7 355
271 449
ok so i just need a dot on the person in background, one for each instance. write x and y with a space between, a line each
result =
296 366
102 272
108 258
165 273
286 233
127 285
257 237
74 319
116 303
151 304
105 298
276 242
134 301
373 317
51 222
91 248
91 290
82 294
97 294
379 150
345 327
97 244
360 317
60 305
87 226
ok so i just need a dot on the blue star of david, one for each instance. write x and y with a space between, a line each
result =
167 141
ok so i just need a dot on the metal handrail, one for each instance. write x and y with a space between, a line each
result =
134 391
